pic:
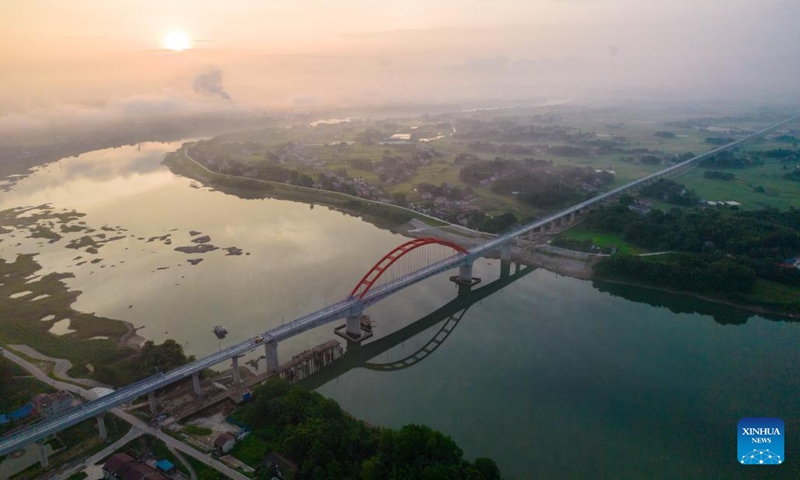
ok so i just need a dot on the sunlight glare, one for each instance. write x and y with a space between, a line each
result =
176 41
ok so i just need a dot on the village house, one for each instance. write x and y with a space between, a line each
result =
122 466
224 443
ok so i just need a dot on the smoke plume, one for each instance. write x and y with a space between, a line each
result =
209 82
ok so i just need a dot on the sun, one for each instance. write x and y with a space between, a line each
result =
176 41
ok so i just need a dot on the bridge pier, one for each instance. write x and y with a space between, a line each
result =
464 276
196 384
505 269
572 217
505 254
151 397
237 378
353 327
271 353
101 427
43 460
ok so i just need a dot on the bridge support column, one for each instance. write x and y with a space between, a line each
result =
196 384
101 427
505 269
43 460
353 327
464 276
505 254
572 217
151 397
552 225
271 352
237 378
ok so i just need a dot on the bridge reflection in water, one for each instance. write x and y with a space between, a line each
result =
415 342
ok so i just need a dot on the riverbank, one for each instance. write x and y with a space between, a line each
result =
566 262
760 310
34 305
382 215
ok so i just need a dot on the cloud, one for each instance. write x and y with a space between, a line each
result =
135 108
209 82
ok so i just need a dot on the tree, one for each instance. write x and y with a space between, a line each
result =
6 372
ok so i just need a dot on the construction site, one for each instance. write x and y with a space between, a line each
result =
223 392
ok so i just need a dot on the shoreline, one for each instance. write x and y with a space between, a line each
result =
130 338
575 268
750 308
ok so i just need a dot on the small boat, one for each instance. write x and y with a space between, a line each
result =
220 331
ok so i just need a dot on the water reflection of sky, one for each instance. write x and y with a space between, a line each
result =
300 258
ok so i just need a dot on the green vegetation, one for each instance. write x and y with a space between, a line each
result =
160 451
78 441
670 192
682 271
379 214
111 363
477 166
715 175
737 255
203 471
580 236
22 323
326 443
195 430
251 450
17 389
150 360
757 177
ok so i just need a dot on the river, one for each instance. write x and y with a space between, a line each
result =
551 376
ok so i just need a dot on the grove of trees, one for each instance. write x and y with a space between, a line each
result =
326 443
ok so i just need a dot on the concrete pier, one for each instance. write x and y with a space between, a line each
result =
505 269
271 353
43 460
464 276
353 326
101 427
237 378
151 397
196 384
505 254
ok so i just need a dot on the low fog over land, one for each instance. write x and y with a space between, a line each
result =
87 59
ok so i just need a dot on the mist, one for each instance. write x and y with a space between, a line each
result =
309 56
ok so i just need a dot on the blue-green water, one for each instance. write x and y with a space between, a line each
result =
556 379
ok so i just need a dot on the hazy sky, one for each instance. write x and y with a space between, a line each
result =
313 53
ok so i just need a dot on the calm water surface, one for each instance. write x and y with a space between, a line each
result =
553 377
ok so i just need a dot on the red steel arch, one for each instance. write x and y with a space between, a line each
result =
384 263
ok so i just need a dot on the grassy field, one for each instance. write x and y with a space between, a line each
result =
20 388
601 239
773 295
778 192
637 125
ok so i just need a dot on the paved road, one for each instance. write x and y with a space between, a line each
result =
61 366
134 421
192 473
132 434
